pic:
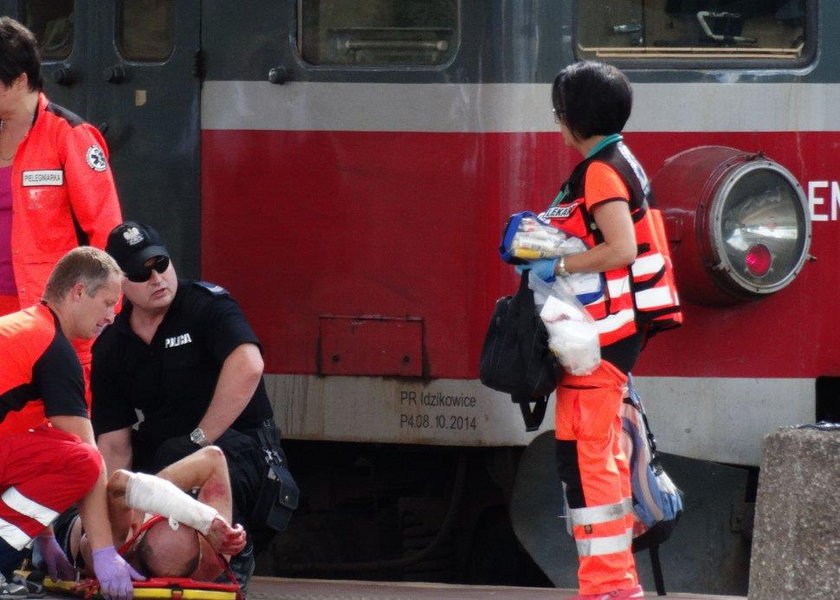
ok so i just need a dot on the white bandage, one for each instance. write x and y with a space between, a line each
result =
161 497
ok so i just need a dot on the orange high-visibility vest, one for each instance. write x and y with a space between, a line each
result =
643 294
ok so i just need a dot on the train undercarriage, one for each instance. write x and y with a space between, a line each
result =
487 516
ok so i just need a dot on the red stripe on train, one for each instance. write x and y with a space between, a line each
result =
301 224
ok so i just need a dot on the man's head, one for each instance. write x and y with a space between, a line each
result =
19 55
83 289
164 552
151 281
160 551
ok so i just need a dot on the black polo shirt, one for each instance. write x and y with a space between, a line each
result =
172 380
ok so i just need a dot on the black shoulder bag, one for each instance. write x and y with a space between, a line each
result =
515 358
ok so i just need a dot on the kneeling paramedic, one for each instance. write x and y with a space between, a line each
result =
47 468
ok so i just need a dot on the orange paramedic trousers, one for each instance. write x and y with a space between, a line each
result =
597 477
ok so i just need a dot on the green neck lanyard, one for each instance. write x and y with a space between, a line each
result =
610 139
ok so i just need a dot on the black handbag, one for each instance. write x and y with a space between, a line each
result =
515 357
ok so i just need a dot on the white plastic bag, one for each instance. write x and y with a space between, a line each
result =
572 334
535 239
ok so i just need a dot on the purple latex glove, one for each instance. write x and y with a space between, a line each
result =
114 574
57 564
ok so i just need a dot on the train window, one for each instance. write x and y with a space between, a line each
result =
697 30
52 23
377 32
146 30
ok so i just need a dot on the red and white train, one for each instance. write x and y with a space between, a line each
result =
344 168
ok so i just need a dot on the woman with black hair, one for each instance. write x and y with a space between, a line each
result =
605 203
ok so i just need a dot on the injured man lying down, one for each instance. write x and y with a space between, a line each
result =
156 522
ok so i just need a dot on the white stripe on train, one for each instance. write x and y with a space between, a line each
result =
496 107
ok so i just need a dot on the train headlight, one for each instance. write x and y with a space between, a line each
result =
744 219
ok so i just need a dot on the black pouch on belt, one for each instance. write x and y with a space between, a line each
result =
279 492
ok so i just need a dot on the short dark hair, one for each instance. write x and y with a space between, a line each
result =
153 565
19 53
592 98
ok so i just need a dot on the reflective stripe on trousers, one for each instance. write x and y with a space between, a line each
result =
594 515
605 545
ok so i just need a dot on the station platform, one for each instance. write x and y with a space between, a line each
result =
277 588
270 588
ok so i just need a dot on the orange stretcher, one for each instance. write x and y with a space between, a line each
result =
170 587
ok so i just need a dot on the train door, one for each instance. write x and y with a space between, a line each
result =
133 68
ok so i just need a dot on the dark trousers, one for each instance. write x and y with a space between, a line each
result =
246 466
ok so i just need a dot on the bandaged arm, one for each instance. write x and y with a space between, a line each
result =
161 497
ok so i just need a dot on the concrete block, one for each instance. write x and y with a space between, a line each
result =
796 543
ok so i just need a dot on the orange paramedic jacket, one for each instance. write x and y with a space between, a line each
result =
63 195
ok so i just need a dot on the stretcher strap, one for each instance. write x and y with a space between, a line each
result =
140 531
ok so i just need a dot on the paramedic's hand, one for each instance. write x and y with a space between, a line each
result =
226 539
114 574
58 567
543 268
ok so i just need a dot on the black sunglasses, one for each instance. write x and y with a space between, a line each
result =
160 265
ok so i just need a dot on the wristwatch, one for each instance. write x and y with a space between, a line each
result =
198 438
561 267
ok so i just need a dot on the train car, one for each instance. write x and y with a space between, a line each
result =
345 167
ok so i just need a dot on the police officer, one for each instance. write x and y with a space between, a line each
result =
183 354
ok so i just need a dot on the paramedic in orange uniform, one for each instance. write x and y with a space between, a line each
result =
56 188
46 469
592 103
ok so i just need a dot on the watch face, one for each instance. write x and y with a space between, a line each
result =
197 437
